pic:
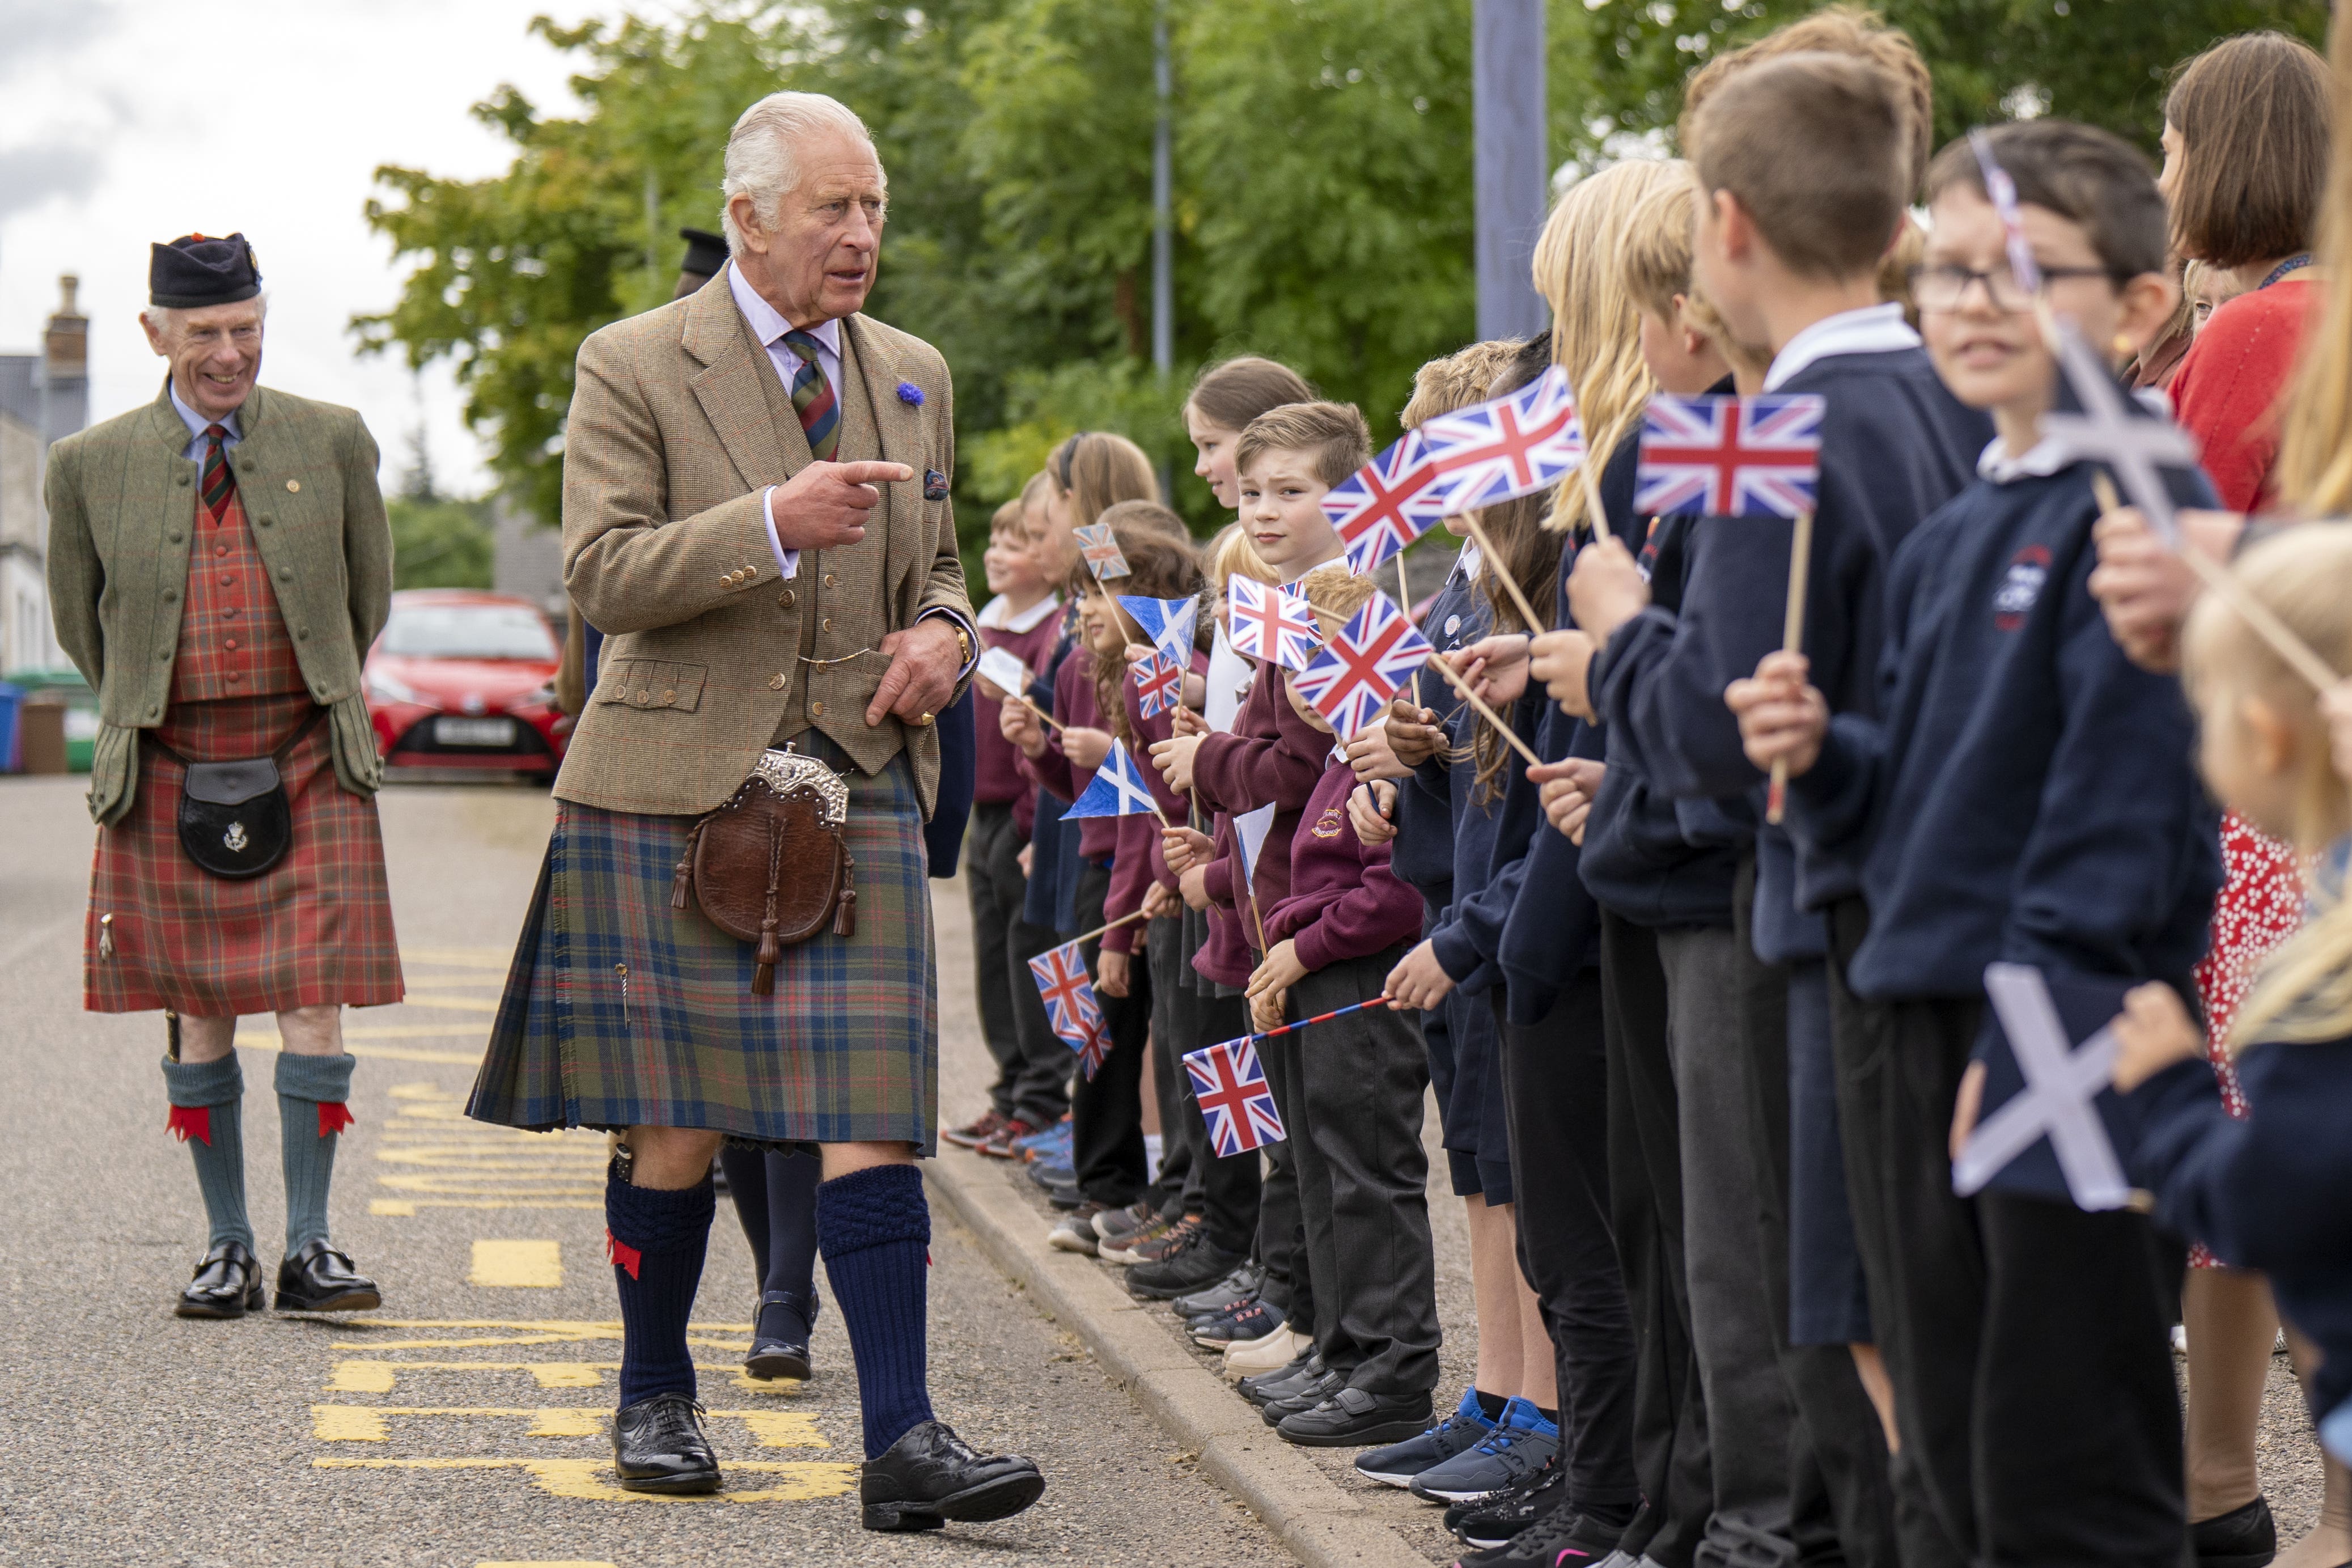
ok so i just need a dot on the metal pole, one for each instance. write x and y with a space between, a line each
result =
653 226
1514 166
1163 258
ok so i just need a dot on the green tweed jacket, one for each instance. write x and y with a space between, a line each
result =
121 503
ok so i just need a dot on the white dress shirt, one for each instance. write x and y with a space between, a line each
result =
196 424
1872 329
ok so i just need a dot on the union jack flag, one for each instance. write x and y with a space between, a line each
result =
1167 622
1070 1005
1100 549
1235 1100
1730 457
1516 445
1352 678
1158 685
1272 624
1386 504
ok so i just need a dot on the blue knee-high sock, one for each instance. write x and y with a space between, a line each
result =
657 1240
875 1229
208 1115
311 1095
792 1237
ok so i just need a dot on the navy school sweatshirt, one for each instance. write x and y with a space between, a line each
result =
2018 790
1422 853
1895 445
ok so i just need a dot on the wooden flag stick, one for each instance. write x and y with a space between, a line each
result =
1487 714
1793 640
1490 561
1404 589
1048 718
2299 653
1105 926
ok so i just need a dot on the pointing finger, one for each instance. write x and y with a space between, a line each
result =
864 473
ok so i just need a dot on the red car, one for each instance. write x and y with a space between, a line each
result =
461 679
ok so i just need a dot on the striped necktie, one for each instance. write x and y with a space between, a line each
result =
219 483
812 398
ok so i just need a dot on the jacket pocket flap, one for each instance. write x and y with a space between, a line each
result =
652 683
230 783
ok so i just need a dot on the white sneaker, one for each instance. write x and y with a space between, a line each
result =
1247 1358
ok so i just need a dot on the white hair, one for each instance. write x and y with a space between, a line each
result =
761 160
161 317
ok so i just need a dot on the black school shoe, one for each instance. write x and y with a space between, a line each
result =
931 1475
1244 1284
320 1278
658 1446
227 1284
2242 1538
1353 1417
1485 1523
1194 1263
1560 1539
779 1340
1268 1386
1293 1397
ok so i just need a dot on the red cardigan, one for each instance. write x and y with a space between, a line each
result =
2227 388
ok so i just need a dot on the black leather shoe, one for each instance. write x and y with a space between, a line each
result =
1354 1417
931 1475
780 1341
658 1446
320 1278
227 1284
2242 1538
1283 1381
1307 1396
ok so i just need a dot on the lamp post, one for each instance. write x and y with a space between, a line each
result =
1513 170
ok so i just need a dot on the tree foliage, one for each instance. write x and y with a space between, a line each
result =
438 542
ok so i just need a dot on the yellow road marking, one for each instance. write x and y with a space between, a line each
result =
495 1158
457 1184
381 1053
450 1004
459 957
367 1423
406 1208
519 1264
802 1480
540 1332
369 1377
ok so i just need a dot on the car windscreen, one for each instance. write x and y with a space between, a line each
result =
468 631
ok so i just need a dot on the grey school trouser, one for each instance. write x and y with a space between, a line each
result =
1748 1417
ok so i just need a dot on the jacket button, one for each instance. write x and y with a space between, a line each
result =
668 697
174 536
163 656
831 581
828 623
171 595
261 522
183 481
230 644
641 697
816 710
775 683
301 634
785 599
294 487
728 581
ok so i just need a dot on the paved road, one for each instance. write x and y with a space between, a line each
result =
463 1423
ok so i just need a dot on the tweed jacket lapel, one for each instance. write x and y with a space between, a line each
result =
764 450
893 432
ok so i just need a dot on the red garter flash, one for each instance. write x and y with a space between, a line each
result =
333 1117
188 1122
622 1254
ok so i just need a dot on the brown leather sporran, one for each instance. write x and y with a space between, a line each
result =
770 866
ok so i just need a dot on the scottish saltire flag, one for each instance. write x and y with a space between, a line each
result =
1158 684
2051 1125
1070 1006
1352 678
1385 505
1118 788
1513 446
1101 552
2004 192
1167 622
1249 830
1235 1100
1003 669
1272 624
1730 457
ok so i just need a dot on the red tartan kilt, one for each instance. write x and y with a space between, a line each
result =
315 929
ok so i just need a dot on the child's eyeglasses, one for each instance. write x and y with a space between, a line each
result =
1943 287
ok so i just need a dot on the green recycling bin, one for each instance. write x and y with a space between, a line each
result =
80 704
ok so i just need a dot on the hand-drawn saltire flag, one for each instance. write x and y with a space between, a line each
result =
2004 192
1167 622
1516 445
1352 678
1070 1006
1730 457
1271 623
2051 1123
1385 505
1158 684
1003 669
1235 1102
1118 788
1101 552
1249 830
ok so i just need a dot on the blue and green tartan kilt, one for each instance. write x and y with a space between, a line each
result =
620 1011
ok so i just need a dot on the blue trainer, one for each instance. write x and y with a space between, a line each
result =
1518 1446
1399 1463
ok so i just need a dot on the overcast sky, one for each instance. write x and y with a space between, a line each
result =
126 121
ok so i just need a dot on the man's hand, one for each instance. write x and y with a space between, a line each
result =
2152 1032
1606 589
1018 724
1110 973
1174 760
1193 887
925 661
1269 987
1412 733
1372 809
1371 756
2144 589
1569 787
824 506
1185 847
1782 718
1495 667
1085 748
1418 981
1560 660
1158 903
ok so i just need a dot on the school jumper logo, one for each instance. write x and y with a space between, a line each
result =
1328 825
2028 569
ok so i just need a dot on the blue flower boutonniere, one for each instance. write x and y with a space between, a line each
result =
909 394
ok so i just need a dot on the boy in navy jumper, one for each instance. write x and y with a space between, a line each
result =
2018 792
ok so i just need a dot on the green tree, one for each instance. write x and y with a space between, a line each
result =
439 542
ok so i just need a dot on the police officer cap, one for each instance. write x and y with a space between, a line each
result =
706 252
196 270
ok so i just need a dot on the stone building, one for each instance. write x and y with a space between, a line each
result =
43 396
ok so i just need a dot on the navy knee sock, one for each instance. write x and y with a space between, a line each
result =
657 1240
874 1229
775 1201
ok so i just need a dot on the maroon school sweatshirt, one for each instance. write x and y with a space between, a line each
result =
1029 637
1344 901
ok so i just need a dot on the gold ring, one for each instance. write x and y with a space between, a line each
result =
922 719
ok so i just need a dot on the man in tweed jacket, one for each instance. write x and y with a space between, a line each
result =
756 514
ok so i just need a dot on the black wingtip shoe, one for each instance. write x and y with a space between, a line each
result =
931 1475
320 1278
227 1284
658 1446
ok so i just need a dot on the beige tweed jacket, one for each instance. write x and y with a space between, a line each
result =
122 507
678 423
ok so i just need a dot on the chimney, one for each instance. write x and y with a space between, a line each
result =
66 350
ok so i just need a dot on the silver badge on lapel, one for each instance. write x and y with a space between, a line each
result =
234 838
935 485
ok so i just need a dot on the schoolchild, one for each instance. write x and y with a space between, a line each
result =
1355 1108
2018 792
1804 165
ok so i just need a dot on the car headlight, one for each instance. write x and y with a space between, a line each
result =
382 685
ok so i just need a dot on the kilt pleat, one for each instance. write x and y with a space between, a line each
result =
314 930
620 1011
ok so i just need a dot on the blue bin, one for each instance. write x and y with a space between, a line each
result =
12 703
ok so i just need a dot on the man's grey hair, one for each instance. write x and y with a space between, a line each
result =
762 152
161 317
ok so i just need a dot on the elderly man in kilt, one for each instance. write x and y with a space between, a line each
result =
219 562
755 511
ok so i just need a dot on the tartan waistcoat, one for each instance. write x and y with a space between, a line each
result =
233 636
